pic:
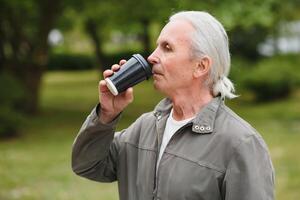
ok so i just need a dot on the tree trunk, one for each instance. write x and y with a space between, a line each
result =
145 36
91 28
49 11
31 80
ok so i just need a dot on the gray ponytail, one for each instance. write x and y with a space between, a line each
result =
211 39
224 87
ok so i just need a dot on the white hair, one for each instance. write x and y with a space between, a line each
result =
210 39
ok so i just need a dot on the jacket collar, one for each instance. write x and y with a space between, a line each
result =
203 123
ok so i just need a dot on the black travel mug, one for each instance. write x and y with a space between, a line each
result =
134 71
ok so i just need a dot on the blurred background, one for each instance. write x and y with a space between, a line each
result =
53 52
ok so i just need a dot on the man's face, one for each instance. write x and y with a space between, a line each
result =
172 61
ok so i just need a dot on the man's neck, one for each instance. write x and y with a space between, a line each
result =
188 105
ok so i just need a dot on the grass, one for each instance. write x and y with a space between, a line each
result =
37 165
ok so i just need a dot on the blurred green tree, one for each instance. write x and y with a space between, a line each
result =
24 29
100 18
143 14
248 22
10 118
97 18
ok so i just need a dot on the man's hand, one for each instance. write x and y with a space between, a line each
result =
112 105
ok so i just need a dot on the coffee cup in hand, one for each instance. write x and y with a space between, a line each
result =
134 71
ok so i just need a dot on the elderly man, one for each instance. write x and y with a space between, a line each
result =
191 146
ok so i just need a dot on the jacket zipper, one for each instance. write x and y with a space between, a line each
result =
157 153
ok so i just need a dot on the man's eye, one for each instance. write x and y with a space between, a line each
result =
167 47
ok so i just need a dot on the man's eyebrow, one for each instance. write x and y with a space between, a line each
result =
164 41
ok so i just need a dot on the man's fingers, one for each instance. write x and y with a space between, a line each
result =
129 94
102 86
115 67
107 73
122 62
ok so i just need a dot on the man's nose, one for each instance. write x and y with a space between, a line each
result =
153 58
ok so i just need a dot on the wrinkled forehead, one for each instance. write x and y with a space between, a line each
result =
176 31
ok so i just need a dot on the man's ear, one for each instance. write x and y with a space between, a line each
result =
202 66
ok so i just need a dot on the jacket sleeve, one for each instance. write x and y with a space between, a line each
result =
95 151
250 174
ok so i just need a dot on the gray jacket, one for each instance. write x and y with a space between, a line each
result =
215 156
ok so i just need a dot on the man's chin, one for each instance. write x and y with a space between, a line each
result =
158 87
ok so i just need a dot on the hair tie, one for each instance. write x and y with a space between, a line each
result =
222 77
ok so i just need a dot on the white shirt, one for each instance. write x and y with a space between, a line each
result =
171 127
